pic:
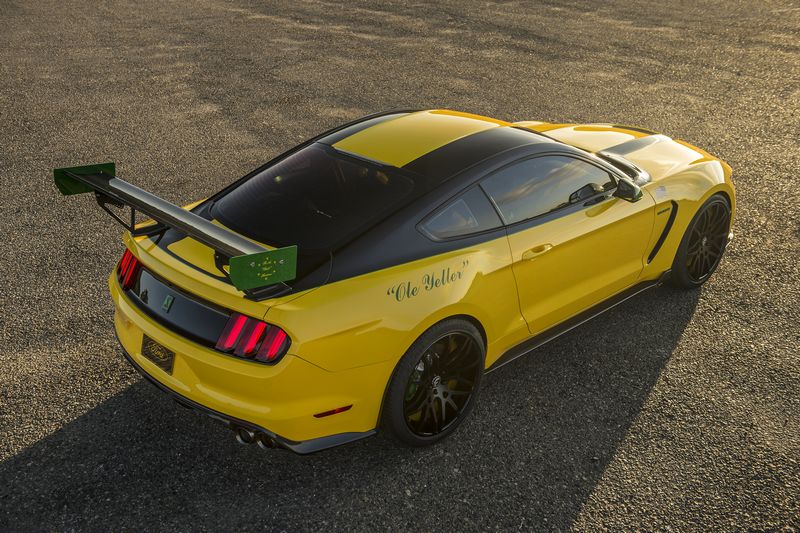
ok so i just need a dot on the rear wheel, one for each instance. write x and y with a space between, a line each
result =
703 244
435 384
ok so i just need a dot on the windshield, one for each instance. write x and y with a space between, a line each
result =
315 198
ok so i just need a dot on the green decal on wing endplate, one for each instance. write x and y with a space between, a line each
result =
69 185
264 268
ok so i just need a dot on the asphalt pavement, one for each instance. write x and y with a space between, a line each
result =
676 410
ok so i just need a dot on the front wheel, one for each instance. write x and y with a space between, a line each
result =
703 244
435 384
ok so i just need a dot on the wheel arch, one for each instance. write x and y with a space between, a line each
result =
431 323
724 193
681 270
690 189
475 322
457 316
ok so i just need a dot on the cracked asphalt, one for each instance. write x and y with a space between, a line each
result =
677 410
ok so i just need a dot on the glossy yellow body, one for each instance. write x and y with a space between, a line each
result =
348 336
570 268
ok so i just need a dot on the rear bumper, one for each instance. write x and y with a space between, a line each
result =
306 447
277 401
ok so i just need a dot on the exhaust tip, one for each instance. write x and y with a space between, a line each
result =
266 442
248 436
245 436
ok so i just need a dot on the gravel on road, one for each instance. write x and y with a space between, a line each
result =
675 410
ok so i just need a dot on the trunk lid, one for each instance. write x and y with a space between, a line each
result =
191 268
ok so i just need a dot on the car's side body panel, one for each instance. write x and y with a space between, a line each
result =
375 317
688 189
581 259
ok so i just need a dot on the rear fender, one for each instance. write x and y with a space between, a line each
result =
375 317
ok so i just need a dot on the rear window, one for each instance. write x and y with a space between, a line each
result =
315 198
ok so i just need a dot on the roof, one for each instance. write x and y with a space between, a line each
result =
435 143
402 138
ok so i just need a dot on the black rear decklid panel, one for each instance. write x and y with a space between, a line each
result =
177 310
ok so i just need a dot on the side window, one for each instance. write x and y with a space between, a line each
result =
540 185
469 213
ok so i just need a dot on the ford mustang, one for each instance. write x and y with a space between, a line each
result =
368 278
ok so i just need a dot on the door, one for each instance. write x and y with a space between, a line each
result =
573 244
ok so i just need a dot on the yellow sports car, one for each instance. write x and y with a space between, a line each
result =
368 278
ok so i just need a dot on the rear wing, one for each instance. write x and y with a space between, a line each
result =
252 266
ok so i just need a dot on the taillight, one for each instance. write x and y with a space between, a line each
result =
275 344
253 339
233 329
127 269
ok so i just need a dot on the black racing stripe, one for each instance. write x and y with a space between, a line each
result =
463 153
627 147
634 128
361 124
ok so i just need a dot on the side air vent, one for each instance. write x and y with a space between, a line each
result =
664 233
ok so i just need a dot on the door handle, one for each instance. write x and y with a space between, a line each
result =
536 251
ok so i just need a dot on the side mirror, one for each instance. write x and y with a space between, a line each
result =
628 190
585 192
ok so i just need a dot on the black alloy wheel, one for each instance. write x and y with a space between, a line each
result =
435 384
703 244
441 384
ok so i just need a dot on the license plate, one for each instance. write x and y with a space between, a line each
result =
162 357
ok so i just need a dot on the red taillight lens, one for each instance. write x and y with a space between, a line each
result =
123 263
230 334
127 269
251 338
274 346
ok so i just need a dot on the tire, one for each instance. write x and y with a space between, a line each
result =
435 385
703 244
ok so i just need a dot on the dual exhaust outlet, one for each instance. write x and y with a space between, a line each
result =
248 436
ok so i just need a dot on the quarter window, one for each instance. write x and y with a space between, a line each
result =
469 213
541 185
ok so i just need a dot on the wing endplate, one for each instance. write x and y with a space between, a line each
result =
263 268
68 185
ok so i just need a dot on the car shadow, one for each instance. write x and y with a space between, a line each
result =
541 436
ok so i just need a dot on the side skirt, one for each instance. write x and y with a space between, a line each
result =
556 331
